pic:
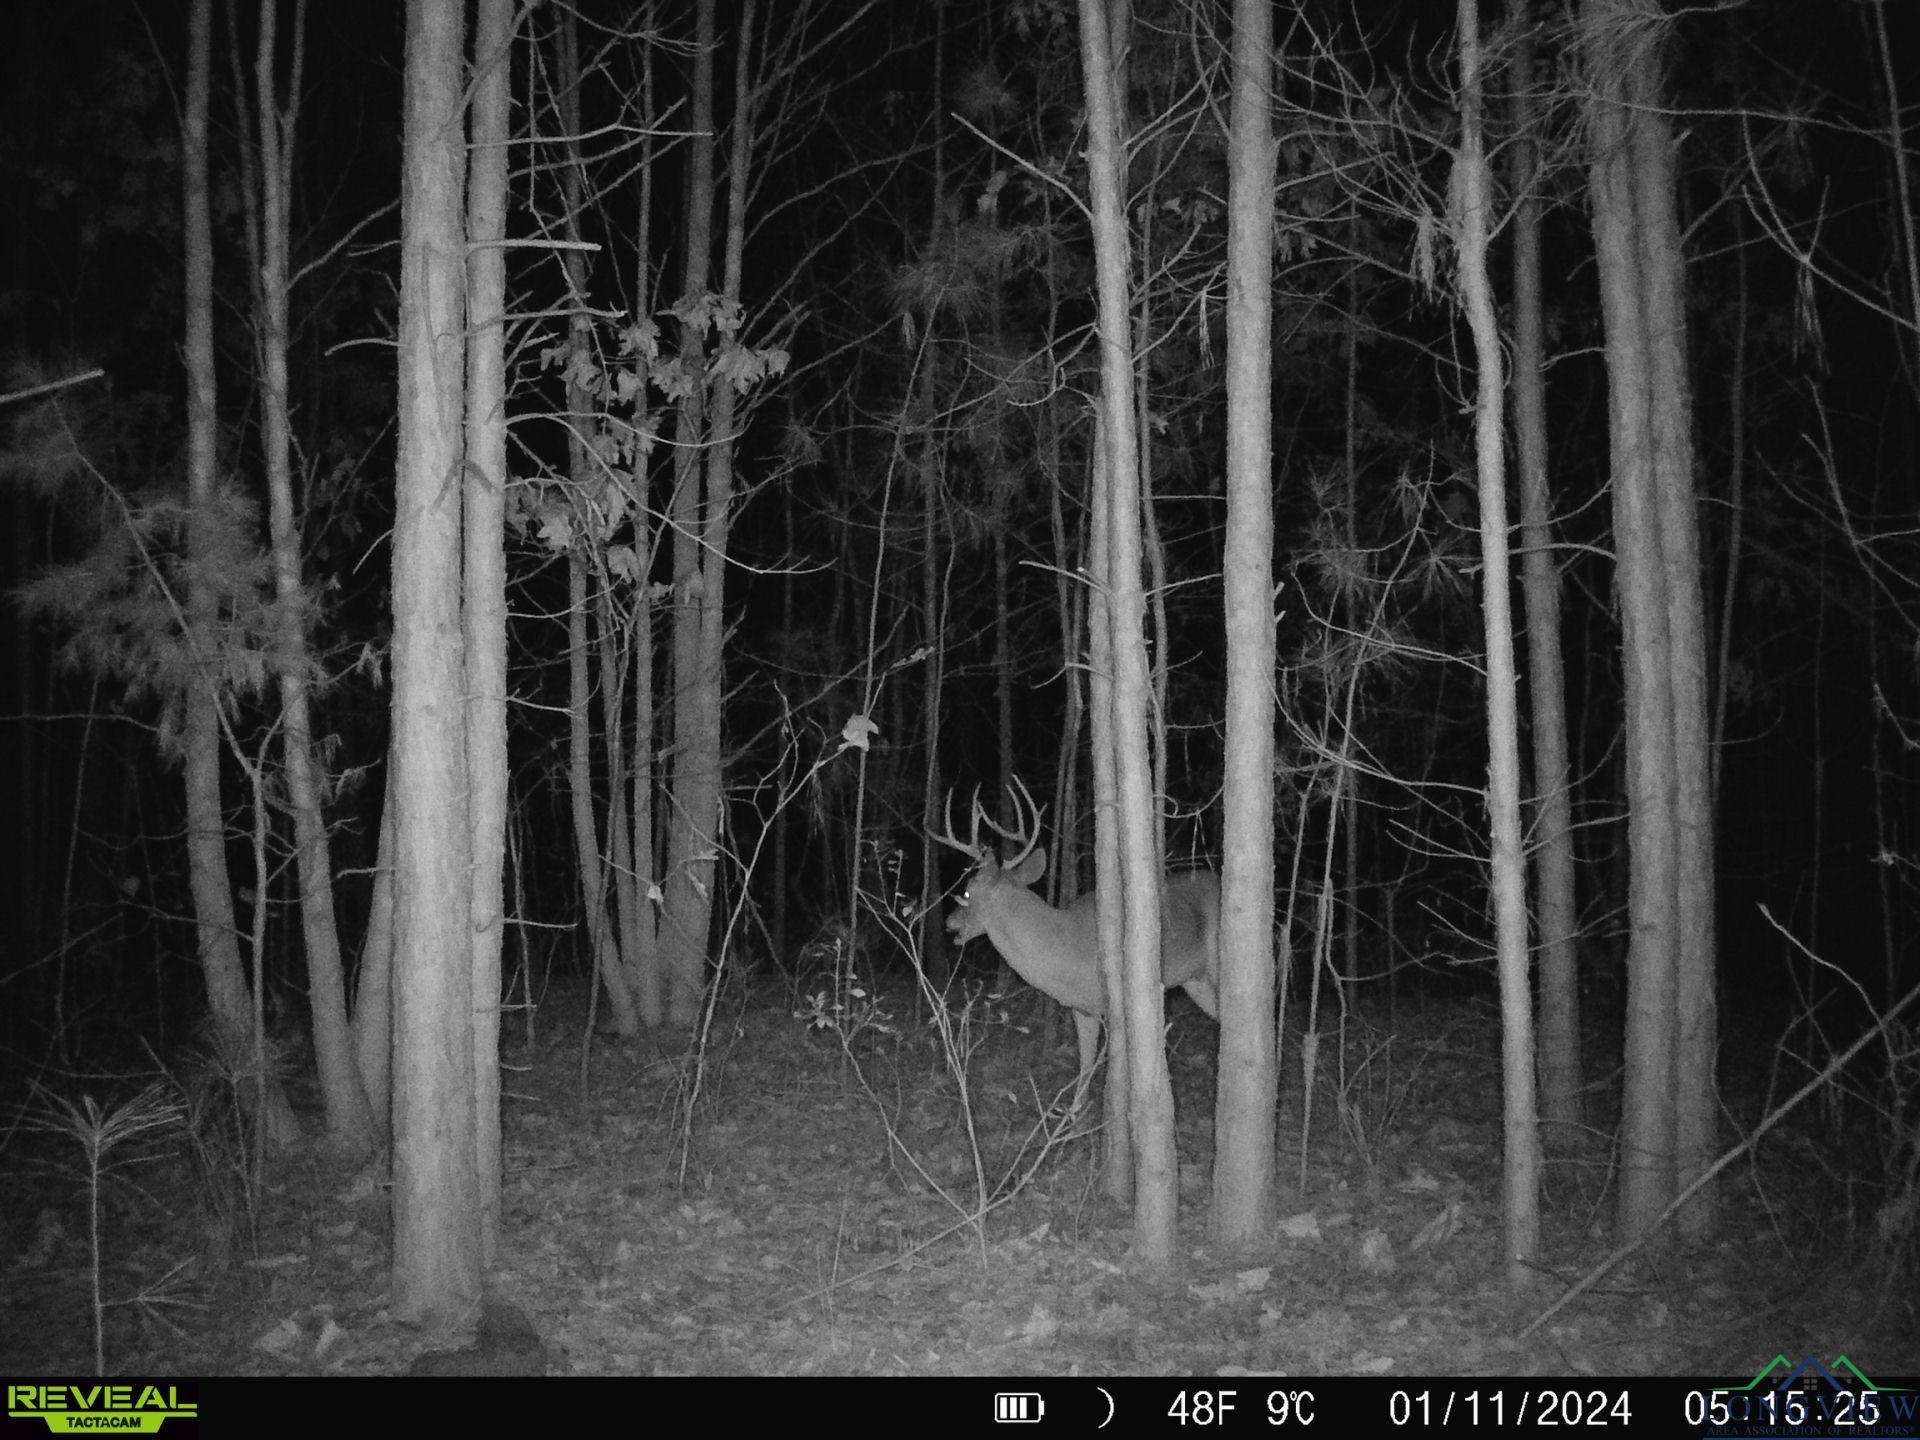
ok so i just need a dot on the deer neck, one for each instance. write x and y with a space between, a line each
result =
1055 951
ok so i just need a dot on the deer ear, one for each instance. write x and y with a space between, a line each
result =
1029 869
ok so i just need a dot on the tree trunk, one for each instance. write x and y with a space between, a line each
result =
373 977
1668 1109
1556 914
1150 1093
1243 1157
935 962
613 654
586 829
438 1248
649 980
484 552
707 791
691 844
602 938
1473 188
1003 673
1116 1152
1005 802
931 951
1071 601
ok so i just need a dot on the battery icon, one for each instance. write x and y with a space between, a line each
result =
1017 1407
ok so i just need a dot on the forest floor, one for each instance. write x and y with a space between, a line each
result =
796 1206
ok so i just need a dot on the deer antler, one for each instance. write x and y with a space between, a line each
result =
1026 831
969 847
1025 834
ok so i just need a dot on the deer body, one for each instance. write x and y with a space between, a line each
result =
1057 951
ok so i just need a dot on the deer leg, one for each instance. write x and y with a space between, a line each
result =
1086 1029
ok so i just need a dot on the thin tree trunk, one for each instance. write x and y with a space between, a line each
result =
1474 188
602 937
649 980
484 554
704 794
1243 1159
1003 673
1154 554
1006 802
613 696
613 875
934 959
1556 911
1353 776
1071 601
349 1122
1116 1153
1159 671
586 828
373 977
688 908
217 932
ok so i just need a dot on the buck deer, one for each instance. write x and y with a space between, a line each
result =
1058 951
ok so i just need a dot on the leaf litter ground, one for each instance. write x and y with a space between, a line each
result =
778 1203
